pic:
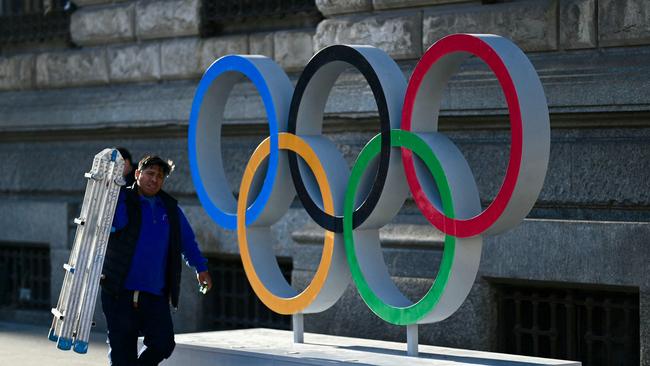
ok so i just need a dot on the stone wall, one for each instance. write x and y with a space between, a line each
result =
136 41
143 41
131 77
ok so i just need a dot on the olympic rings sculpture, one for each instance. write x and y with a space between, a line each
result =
351 206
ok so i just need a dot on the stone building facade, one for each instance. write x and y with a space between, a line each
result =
128 76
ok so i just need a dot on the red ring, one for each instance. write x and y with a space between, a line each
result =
480 223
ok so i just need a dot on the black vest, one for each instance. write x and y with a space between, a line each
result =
122 243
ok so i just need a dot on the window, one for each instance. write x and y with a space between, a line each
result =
595 325
26 21
232 304
220 17
25 273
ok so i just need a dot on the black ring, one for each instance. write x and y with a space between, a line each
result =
354 58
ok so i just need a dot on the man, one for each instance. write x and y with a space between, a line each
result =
142 267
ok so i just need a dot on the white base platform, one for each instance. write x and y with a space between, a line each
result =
276 347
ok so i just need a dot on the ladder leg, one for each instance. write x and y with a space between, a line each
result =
95 266
57 321
75 290
73 314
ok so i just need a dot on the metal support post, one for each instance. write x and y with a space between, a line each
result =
298 328
412 340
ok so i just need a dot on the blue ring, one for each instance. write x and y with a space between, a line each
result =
52 336
233 63
64 344
80 347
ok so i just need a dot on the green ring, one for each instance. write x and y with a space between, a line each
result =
413 313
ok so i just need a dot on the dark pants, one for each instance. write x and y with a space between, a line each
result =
151 319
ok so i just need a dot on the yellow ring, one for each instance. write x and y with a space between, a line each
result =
296 304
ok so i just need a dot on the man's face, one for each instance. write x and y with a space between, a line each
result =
150 180
127 168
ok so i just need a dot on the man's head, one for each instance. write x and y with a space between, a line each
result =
128 160
151 174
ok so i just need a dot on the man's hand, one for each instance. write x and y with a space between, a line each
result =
205 280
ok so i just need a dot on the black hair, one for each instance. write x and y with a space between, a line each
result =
126 155
167 166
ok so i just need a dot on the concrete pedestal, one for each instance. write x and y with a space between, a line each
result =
276 347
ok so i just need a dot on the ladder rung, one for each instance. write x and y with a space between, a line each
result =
95 176
68 268
57 313
79 221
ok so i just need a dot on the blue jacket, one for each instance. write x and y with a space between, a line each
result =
144 252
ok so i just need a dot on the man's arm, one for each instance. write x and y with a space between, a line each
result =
191 252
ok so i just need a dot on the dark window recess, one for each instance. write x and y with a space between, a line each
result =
598 326
33 21
74 208
239 16
232 304
25 274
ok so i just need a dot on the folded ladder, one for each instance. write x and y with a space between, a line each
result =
74 311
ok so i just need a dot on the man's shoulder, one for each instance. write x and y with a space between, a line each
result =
129 193
167 198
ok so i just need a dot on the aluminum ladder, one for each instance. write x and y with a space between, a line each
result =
74 311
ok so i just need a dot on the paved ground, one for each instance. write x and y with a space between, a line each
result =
27 345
